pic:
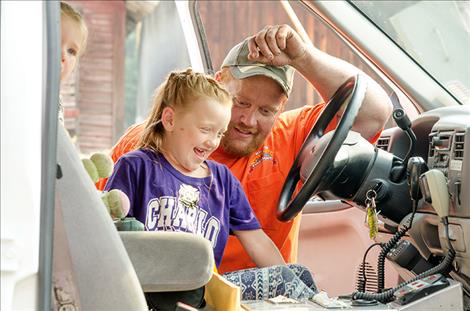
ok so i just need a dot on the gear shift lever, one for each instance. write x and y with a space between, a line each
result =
404 123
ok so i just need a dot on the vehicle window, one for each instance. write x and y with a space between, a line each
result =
226 23
436 34
130 51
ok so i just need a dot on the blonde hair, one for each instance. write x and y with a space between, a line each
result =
225 75
178 91
66 10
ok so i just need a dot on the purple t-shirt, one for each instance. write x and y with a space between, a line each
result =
164 199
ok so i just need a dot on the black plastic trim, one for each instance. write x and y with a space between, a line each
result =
201 37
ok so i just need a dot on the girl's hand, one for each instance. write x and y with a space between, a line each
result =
260 248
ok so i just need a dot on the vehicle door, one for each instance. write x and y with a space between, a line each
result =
28 151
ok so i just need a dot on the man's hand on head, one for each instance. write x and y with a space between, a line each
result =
276 45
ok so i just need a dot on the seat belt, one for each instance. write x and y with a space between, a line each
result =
65 295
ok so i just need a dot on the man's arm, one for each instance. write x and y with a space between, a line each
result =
280 45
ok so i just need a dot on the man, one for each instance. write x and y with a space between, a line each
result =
261 142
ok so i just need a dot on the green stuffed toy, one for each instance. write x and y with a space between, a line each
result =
100 165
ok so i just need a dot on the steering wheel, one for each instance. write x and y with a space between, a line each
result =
319 150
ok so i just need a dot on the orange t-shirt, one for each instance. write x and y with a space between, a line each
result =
126 143
262 176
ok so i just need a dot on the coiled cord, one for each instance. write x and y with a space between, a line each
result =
388 246
383 253
387 295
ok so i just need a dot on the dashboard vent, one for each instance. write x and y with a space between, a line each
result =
458 145
383 142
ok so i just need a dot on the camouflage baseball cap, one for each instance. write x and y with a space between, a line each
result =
241 67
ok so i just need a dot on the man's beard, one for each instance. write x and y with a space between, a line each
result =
232 149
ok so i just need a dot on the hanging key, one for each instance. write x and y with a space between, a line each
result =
372 220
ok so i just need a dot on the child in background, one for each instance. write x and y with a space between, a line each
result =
172 186
74 34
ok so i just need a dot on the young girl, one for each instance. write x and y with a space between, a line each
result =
74 34
173 186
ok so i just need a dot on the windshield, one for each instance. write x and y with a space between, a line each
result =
436 34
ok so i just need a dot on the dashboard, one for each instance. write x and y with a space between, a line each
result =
443 141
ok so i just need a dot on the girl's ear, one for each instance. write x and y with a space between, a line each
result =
168 119
218 76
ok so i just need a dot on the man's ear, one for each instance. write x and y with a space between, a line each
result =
282 107
168 118
284 104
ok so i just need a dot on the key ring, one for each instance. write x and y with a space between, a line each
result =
371 194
